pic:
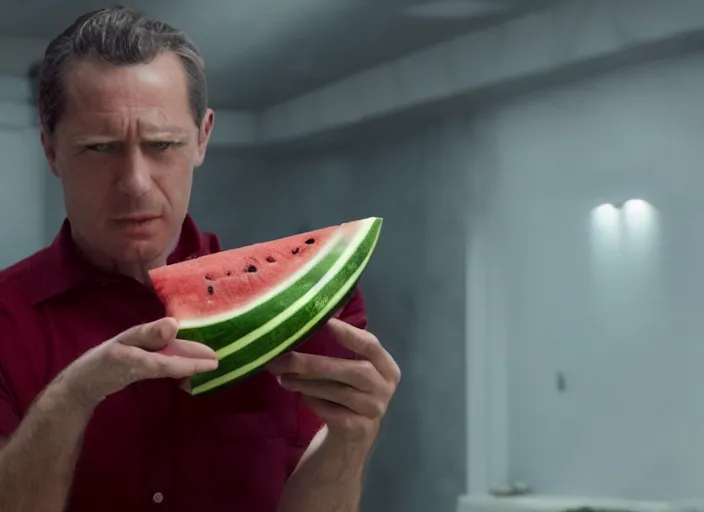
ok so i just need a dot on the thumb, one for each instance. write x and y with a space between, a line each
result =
151 336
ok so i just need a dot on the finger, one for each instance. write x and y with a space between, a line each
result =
365 404
327 410
177 367
365 344
185 348
359 374
336 415
150 336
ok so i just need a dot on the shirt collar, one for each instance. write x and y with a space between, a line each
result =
64 267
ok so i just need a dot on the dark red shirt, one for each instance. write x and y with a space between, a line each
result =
151 446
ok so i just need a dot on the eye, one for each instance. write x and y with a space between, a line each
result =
102 147
162 145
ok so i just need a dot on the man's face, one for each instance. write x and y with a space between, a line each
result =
124 150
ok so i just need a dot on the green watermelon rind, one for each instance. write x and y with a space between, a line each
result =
227 335
244 375
278 330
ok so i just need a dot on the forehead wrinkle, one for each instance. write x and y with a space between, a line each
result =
119 102
139 121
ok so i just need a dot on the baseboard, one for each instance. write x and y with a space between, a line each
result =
538 503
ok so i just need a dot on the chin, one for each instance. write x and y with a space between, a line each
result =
134 251
146 242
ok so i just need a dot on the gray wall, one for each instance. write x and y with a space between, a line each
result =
617 308
22 184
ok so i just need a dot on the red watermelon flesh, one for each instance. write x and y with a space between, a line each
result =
220 282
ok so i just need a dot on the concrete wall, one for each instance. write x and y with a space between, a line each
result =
611 302
22 183
22 173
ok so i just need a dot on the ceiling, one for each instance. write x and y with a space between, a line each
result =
262 52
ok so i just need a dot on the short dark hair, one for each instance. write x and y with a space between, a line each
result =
121 37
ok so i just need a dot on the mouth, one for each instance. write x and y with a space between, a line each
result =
139 226
136 219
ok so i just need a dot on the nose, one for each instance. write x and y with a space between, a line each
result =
135 173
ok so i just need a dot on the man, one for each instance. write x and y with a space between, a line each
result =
92 414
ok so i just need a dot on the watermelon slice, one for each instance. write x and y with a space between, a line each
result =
253 303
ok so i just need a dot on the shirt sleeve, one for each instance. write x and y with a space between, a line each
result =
309 423
9 415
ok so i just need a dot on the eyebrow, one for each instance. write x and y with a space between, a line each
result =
97 136
165 133
165 129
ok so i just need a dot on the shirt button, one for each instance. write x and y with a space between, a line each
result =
158 497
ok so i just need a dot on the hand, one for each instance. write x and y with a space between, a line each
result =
350 395
147 351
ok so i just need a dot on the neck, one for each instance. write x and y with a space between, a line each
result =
136 269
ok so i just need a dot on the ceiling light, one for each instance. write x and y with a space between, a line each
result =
455 9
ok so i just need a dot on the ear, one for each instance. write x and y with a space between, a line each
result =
206 128
49 151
